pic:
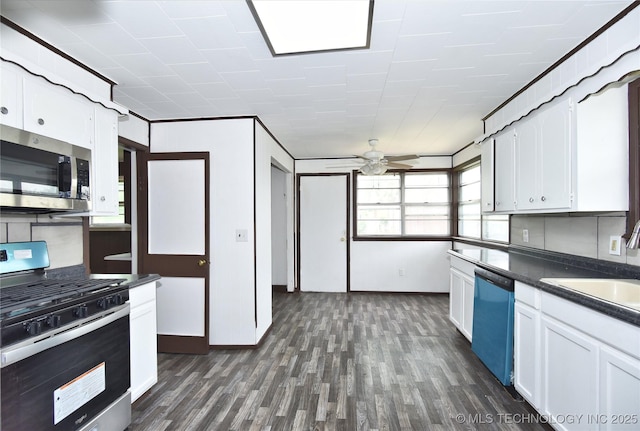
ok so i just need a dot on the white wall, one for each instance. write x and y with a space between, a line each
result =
376 265
268 152
134 129
231 290
238 148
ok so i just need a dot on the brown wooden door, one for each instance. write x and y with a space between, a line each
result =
173 223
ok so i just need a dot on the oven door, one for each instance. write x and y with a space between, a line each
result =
70 380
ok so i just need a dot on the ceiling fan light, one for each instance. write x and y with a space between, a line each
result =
379 169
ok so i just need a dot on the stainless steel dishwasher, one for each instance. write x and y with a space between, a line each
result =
492 340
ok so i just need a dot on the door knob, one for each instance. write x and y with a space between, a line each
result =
202 262
342 239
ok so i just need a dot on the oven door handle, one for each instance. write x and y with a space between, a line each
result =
32 346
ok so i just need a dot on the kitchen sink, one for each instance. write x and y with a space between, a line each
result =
622 292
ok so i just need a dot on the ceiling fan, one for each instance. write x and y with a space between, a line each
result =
375 162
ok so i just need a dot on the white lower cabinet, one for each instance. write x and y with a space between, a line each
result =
461 290
526 351
578 367
569 375
143 339
619 391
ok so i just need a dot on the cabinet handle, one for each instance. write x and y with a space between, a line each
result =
4 110
531 200
40 121
543 198
102 198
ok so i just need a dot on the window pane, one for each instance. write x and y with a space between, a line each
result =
427 226
469 192
379 181
495 227
375 196
469 228
426 195
471 175
379 227
428 210
471 210
431 179
379 212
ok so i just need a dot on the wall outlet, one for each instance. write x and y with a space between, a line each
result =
401 272
241 235
525 235
614 244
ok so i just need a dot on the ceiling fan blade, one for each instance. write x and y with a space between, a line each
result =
400 158
399 165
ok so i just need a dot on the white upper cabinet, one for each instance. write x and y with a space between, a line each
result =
57 113
543 159
10 97
105 164
487 158
504 165
565 157
602 156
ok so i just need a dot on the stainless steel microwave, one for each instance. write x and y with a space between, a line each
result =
41 174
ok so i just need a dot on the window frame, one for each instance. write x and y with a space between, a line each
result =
455 185
357 237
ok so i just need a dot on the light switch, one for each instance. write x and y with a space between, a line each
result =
525 235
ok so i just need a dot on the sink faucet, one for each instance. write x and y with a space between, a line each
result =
635 236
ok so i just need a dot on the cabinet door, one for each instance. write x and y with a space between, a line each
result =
555 145
10 97
455 297
57 113
143 339
569 373
526 353
504 171
104 165
467 306
619 391
527 154
487 169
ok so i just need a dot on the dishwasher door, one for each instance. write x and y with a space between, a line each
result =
492 339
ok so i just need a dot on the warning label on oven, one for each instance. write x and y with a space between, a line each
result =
76 393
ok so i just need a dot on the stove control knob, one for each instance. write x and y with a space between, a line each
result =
103 303
53 321
117 299
81 311
33 327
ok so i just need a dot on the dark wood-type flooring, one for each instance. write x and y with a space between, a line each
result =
358 361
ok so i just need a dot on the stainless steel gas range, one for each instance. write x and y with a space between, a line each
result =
64 347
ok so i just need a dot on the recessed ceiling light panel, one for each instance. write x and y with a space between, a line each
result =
295 27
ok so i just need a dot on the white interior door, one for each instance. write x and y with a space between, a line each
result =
324 233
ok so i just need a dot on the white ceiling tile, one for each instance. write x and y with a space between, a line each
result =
192 8
141 19
109 39
230 59
197 73
170 84
143 65
173 50
210 32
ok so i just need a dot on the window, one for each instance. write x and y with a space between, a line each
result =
471 222
403 204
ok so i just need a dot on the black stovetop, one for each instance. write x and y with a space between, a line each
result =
43 295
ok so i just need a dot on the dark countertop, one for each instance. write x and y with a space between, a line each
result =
78 271
530 266
131 280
